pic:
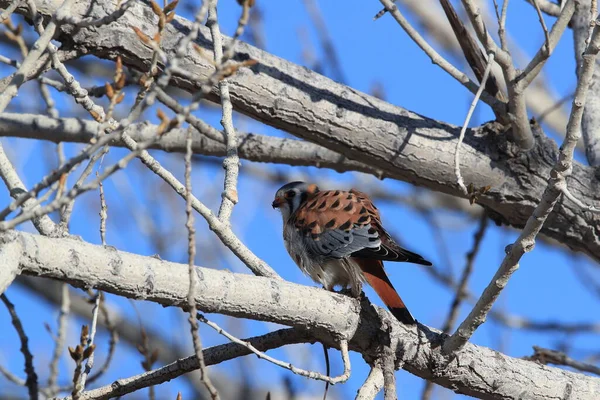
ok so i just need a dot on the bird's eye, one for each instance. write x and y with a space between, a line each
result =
290 194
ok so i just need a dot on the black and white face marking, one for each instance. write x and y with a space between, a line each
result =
290 196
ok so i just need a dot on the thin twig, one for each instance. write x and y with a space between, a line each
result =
229 197
543 23
538 61
189 224
212 355
462 283
548 356
112 343
6 13
459 178
565 190
29 63
32 380
329 49
298 371
437 59
59 342
16 188
90 361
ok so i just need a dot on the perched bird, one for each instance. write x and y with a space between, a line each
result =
336 237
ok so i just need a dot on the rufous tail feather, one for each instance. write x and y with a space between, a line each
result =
379 281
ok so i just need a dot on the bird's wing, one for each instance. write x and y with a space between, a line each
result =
335 224
389 250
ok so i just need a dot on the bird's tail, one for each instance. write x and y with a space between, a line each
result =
376 277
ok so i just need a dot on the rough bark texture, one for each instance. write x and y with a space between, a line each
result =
476 371
399 143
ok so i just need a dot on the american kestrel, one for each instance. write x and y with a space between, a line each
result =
336 237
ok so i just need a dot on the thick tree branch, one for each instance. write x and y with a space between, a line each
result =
401 144
481 372
512 194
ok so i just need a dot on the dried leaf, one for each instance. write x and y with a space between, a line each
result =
162 21
170 7
174 123
110 93
170 17
120 83
85 331
73 354
179 396
120 98
10 35
96 116
156 8
143 37
88 351
154 356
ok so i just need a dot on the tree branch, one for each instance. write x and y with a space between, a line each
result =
481 372
390 139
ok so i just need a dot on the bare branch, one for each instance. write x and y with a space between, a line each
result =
274 300
395 141
538 61
29 62
582 21
549 7
59 342
229 197
212 355
189 224
526 240
436 58
80 386
298 371
543 23
459 178
462 283
32 379
372 386
16 188
548 356
387 362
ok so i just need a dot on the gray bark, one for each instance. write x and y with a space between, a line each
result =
399 143
591 114
477 371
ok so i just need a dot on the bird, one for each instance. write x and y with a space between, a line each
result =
336 237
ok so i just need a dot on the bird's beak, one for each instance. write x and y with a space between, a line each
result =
277 202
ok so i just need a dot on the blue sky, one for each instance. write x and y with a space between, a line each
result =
544 289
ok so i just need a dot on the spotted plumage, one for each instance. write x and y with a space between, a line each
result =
337 238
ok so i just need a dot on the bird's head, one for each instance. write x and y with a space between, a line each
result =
291 195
